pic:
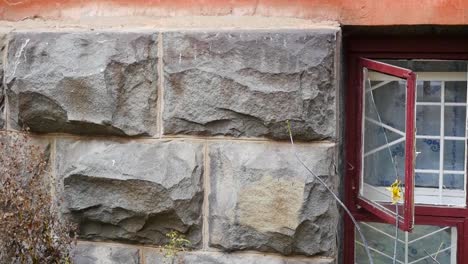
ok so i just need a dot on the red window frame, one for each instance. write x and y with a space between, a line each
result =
410 77
452 48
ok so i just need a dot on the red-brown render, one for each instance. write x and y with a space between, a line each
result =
347 12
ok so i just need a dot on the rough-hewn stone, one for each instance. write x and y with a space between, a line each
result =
263 199
134 192
248 83
85 253
217 258
3 42
155 256
83 82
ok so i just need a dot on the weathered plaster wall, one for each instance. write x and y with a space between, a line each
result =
356 12
154 130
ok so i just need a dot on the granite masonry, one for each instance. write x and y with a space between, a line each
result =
158 130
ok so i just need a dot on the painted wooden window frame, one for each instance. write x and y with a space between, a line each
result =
408 205
452 48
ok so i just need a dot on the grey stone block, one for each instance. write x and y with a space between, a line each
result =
83 82
248 83
263 199
217 258
85 253
133 192
156 256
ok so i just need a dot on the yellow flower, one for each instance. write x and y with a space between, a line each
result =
395 190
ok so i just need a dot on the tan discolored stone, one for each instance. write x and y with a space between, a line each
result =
263 199
271 205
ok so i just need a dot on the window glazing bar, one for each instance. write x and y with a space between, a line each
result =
430 234
438 171
378 252
433 254
380 231
384 146
442 130
437 104
385 126
377 86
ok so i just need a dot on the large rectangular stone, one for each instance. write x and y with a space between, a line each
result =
90 253
263 199
83 82
135 191
248 83
220 258
156 256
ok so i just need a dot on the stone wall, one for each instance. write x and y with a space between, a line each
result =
160 130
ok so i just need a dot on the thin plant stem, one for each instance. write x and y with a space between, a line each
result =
435 260
337 199
396 235
438 250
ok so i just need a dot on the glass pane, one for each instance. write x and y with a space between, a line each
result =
416 247
384 136
428 91
454 155
454 123
379 171
429 240
390 102
427 180
379 237
373 141
428 154
428 120
455 91
454 181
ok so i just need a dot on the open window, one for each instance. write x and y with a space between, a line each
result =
388 141
407 118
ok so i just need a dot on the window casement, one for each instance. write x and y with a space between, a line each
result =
387 151
406 120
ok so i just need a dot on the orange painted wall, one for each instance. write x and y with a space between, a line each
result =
348 12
